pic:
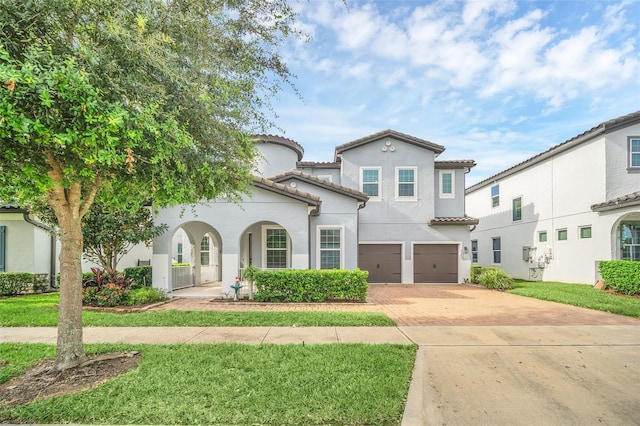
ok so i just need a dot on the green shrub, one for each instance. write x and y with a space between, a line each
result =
110 294
496 279
40 283
12 283
86 276
144 295
140 276
310 285
622 276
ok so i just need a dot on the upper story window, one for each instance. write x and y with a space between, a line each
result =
447 184
495 195
406 183
516 212
634 153
370 182
205 246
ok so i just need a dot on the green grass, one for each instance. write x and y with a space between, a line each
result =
340 384
41 311
579 295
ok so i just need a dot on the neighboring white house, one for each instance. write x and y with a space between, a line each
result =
384 204
555 215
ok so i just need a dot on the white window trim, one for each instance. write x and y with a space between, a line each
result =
415 184
513 211
264 245
558 234
379 169
493 251
208 251
318 229
580 228
546 236
630 153
453 184
496 196
476 252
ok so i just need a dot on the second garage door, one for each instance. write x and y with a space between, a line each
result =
435 263
383 261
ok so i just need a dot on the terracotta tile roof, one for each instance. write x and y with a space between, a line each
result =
464 220
279 188
391 134
625 120
319 165
279 140
297 174
454 164
628 200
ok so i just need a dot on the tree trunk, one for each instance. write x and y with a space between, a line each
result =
70 348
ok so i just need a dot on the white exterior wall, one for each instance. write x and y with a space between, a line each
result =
558 193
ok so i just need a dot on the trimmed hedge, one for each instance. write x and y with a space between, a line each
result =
140 276
310 285
12 283
622 276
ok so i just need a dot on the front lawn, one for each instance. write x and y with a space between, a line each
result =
581 295
345 384
41 311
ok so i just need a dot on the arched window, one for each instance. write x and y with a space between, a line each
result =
205 245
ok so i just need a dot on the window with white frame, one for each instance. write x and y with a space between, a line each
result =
330 247
562 234
542 236
496 246
474 251
205 246
495 195
370 182
275 243
634 153
447 184
630 241
584 232
516 211
406 183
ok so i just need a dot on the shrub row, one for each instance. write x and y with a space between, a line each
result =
310 285
622 276
491 277
12 283
140 276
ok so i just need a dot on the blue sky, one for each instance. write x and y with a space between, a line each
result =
496 81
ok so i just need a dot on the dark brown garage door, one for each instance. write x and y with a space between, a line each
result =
435 263
383 261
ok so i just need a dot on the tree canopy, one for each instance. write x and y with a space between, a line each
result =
124 101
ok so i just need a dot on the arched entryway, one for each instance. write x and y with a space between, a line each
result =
265 245
196 255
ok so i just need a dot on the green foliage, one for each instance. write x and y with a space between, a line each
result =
144 295
140 276
310 285
335 384
495 279
15 357
110 233
249 273
12 283
104 289
622 276
181 264
475 273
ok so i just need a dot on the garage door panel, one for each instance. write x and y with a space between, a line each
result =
435 263
382 261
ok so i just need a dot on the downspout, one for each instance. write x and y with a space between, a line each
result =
52 251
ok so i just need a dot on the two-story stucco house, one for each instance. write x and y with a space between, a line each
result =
383 204
555 215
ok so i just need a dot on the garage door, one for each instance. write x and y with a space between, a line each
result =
435 263
383 261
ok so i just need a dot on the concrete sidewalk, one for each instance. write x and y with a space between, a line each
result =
481 375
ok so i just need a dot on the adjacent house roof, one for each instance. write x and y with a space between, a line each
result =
454 164
618 203
438 149
313 180
279 140
623 121
464 220
279 188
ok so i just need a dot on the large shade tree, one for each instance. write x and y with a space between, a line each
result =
123 101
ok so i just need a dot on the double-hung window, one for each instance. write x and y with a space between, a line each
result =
406 183
495 195
634 153
275 248
630 240
497 250
516 212
474 251
370 182
205 246
447 184
330 247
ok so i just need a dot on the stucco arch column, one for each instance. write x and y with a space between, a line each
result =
161 262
